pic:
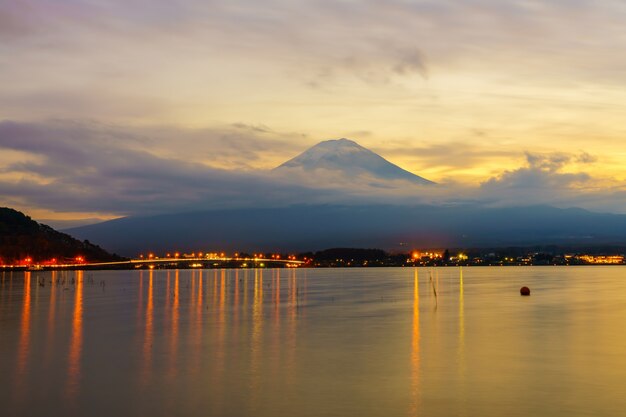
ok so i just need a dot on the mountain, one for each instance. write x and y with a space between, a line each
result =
315 227
345 159
21 237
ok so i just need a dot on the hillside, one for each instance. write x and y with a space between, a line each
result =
21 238
316 227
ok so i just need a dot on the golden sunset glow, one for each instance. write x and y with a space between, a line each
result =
474 97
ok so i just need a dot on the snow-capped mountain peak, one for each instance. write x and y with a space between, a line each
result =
348 159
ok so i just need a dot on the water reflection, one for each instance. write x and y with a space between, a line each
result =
23 349
140 300
415 348
236 306
292 315
148 330
198 324
51 316
76 342
461 348
256 339
276 295
461 322
174 314
219 357
237 343
2 295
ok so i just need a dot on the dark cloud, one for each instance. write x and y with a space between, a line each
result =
253 128
90 167
544 181
11 25
542 173
411 61
534 180
391 64
549 163
585 158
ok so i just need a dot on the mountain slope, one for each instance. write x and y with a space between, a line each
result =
315 227
21 237
348 160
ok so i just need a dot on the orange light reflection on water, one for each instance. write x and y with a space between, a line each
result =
174 326
461 348
76 342
277 346
415 349
292 312
256 340
198 325
219 358
23 349
51 317
148 330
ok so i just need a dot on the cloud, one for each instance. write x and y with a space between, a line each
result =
89 167
96 168
535 180
549 163
544 180
317 39
392 64
10 24
411 61
449 158
543 172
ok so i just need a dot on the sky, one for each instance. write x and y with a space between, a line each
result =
114 108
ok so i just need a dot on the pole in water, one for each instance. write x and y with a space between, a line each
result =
524 291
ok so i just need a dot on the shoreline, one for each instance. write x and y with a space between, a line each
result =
185 267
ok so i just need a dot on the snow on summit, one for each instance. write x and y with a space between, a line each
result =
347 160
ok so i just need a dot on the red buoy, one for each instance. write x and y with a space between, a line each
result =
524 291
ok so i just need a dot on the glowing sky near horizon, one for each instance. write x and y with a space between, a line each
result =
456 91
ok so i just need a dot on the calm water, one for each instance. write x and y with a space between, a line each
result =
323 342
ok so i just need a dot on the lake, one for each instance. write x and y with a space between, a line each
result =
314 342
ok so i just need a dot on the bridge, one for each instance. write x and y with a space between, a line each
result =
151 262
198 262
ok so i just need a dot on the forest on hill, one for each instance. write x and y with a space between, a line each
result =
23 238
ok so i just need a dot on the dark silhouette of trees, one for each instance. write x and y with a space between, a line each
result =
21 237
